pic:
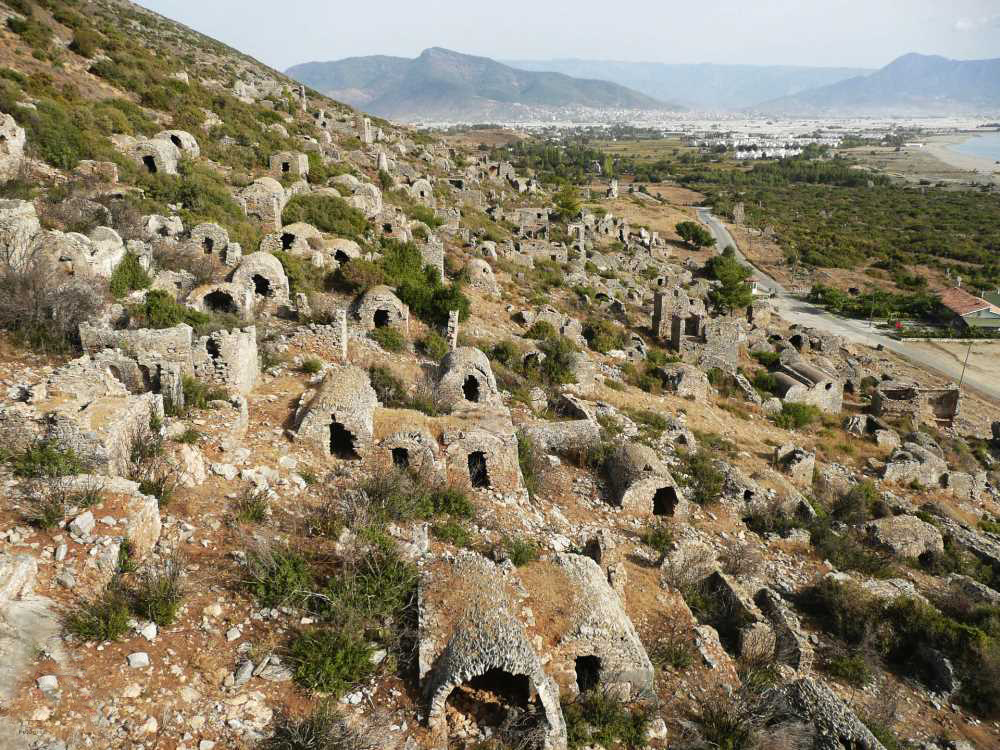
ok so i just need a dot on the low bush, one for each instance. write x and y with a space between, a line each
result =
659 537
328 214
253 506
323 729
159 593
303 276
452 532
311 365
434 346
330 660
853 669
531 463
796 416
160 310
389 338
521 551
599 718
46 459
128 276
541 329
104 618
702 477
403 496
198 394
277 576
603 335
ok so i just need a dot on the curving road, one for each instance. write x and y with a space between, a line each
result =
794 310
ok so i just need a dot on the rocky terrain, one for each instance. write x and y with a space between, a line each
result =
319 433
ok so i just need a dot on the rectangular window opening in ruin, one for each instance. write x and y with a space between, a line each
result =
209 245
470 389
588 672
664 501
286 166
150 164
401 458
342 442
478 474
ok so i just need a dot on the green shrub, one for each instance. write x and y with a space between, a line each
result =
387 387
434 346
45 458
358 275
129 276
673 649
303 276
560 361
768 359
452 532
521 551
373 589
252 506
541 329
160 310
46 507
765 382
323 729
159 593
659 536
198 394
702 477
389 338
328 214
311 365
852 669
190 436
603 335
796 416
403 496
104 618
599 718
330 660
530 461
278 576
726 723
85 42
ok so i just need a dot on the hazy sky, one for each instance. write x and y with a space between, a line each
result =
862 33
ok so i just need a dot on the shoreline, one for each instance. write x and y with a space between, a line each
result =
940 149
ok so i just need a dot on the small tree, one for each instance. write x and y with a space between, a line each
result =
695 235
567 201
734 293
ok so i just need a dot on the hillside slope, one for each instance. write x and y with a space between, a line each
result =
912 84
700 86
441 84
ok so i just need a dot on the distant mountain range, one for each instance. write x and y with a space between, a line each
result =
444 85
704 87
910 85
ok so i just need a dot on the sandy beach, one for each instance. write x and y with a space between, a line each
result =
938 147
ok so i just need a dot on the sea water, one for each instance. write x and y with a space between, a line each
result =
982 144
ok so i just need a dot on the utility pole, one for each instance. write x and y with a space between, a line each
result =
966 364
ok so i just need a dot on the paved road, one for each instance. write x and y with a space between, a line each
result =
794 310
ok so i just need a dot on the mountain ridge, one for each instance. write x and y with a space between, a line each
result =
911 84
443 84
707 86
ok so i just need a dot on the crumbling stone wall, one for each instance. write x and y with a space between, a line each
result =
599 647
228 358
642 484
264 200
338 418
801 383
480 276
466 381
469 628
379 307
12 141
264 275
897 399
290 163
483 454
227 298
